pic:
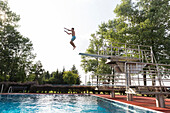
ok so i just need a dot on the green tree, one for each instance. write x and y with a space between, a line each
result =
61 79
148 24
95 65
47 75
31 77
38 70
16 50
55 77
75 71
70 77
91 64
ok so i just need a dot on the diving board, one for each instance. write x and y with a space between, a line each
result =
95 55
111 57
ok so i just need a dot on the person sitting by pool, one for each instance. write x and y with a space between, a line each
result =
73 36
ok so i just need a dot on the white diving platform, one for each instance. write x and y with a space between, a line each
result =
136 69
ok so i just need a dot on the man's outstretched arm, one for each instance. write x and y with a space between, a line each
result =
68 33
68 29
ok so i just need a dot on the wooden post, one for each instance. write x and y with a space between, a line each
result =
160 102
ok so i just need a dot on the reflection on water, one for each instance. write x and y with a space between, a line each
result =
49 104
62 104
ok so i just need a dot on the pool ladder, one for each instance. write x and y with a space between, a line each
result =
2 87
10 89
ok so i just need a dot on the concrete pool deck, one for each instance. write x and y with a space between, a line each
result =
146 102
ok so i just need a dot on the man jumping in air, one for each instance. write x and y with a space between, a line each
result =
73 36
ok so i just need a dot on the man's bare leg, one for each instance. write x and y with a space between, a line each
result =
71 42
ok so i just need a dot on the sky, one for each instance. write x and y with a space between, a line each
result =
43 22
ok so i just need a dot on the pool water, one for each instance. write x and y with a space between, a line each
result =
42 103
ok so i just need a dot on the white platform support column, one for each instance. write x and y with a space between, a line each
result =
128 83
112 94
160 102
129 97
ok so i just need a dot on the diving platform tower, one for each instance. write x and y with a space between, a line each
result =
135 70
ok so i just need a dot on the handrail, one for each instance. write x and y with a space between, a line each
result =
128 44
129 50
10 89
2 87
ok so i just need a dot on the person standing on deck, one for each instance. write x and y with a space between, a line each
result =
73 36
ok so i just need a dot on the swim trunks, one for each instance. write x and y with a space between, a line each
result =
73 38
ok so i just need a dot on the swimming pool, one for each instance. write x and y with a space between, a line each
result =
45 103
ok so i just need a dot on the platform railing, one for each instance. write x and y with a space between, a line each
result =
156 75
128 51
